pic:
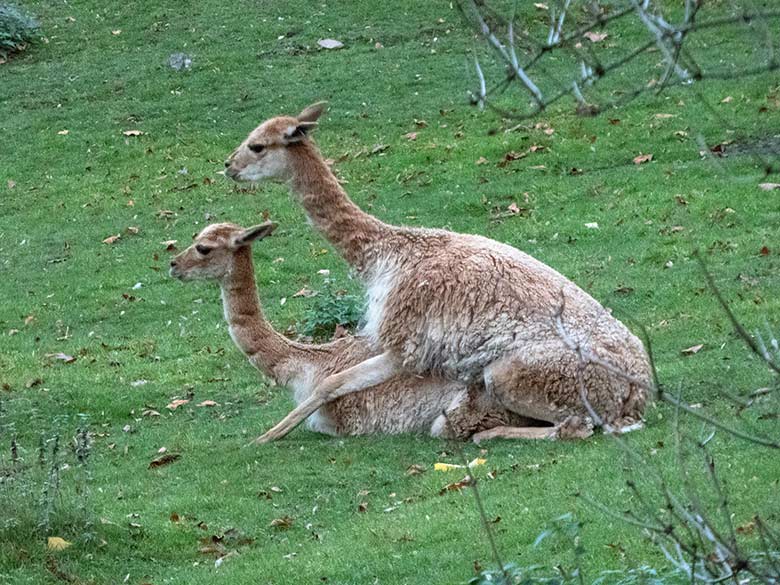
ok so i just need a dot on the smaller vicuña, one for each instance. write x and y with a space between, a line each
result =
405 403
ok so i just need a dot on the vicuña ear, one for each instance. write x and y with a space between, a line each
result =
253 234
313 112
299 132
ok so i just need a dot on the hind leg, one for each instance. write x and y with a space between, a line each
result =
543 383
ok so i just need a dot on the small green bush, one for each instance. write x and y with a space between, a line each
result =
17 29
331 308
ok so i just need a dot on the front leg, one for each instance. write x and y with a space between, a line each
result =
364 375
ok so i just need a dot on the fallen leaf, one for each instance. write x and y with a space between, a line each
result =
57 543
513 209
116 32
726 99
595 37
769 186
68 359
693 349
29 319
665 116
111 239
170 245
132 132
455 486
541 6
11 184
379 148
32 382
208 403
511 156
282 523
746 528
164 460
415 469
642 158
446 466
63 132
330 44
482 161
150 412
475 462
174 517
411 135
177 403
592 225
363 507
305 292
133 230
764 251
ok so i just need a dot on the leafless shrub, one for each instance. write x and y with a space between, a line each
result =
604 54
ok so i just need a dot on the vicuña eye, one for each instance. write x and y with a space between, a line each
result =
258 148
203 249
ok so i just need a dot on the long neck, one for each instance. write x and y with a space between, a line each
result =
353 232
249 328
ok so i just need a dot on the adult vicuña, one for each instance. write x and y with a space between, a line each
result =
454 305
404 403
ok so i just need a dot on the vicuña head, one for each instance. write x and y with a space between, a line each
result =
264 155
212 254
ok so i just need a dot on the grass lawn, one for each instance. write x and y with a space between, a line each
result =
70 178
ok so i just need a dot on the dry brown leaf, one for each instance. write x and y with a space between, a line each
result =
482 161
170 245
63 132
305 292
664 116
513 208
415 469
693 349
642 158
164 460
282 523
363 507
111 239
727 99
133 230
747 528
208 403
595 37
764 251
177 403
541 6
455 486
411 135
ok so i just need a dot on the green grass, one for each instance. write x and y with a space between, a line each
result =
66 291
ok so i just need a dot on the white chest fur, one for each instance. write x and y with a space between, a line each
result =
379 285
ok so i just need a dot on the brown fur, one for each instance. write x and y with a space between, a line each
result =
455 305
405 403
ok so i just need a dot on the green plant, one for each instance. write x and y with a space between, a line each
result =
17 29
331 308
45 490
